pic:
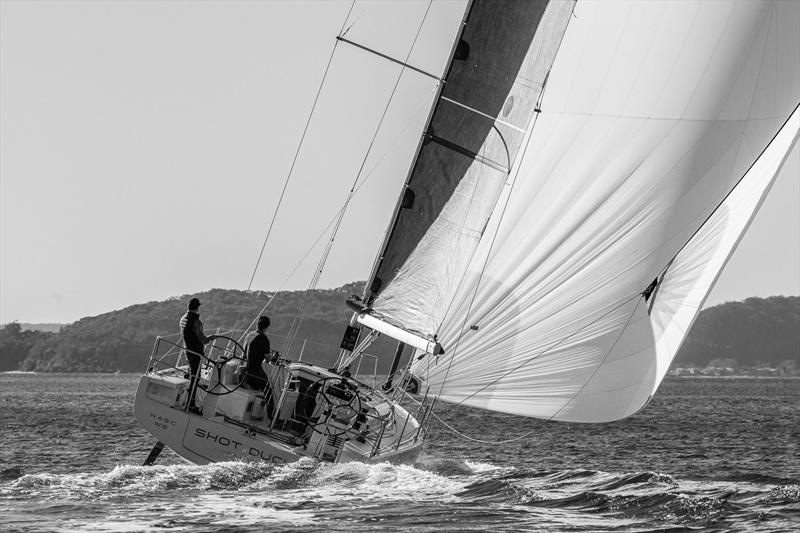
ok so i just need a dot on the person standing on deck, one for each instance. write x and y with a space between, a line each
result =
194 340
257 350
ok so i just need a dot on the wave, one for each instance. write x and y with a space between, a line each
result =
322 479
308 484
638 495
760 478
784 494
139 480
14 472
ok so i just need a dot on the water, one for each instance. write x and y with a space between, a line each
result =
721 454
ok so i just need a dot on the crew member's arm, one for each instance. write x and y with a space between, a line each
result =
198 330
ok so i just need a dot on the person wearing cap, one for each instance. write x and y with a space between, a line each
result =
194 340
257 350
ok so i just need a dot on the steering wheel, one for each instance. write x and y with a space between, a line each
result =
340 400
233 355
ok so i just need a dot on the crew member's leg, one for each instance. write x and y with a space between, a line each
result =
194 369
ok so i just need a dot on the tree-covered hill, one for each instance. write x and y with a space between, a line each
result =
123 340
757 330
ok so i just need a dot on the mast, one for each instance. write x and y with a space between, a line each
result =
405 199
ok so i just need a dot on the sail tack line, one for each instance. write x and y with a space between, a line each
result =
473 439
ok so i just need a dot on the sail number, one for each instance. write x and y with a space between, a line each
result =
161 422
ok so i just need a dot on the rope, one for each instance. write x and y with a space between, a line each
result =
460 434
473 439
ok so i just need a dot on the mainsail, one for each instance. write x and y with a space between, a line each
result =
561 261
490 95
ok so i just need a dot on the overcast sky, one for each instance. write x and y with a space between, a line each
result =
144 145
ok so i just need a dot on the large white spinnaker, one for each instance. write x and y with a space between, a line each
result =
634 367
694 271
654 112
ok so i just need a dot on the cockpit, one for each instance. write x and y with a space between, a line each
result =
310 410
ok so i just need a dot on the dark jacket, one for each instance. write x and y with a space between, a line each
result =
192 330
257 350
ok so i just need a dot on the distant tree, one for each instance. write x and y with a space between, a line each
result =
757 330
123 340
16 343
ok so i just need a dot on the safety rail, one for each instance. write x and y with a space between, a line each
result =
179 352
158 363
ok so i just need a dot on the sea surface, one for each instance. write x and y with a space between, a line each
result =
718 454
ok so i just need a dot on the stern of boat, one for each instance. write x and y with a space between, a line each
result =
315 413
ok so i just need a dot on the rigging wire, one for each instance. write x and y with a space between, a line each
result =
363 181
345 31
481 441
323 260
297 152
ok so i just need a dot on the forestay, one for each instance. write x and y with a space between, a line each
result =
636 169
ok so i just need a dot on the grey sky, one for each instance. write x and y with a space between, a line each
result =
143 146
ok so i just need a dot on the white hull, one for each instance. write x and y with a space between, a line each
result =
227 431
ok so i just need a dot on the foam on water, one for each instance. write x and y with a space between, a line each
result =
61 470
320 479
307 493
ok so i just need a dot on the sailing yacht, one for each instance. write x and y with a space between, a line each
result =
584 174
